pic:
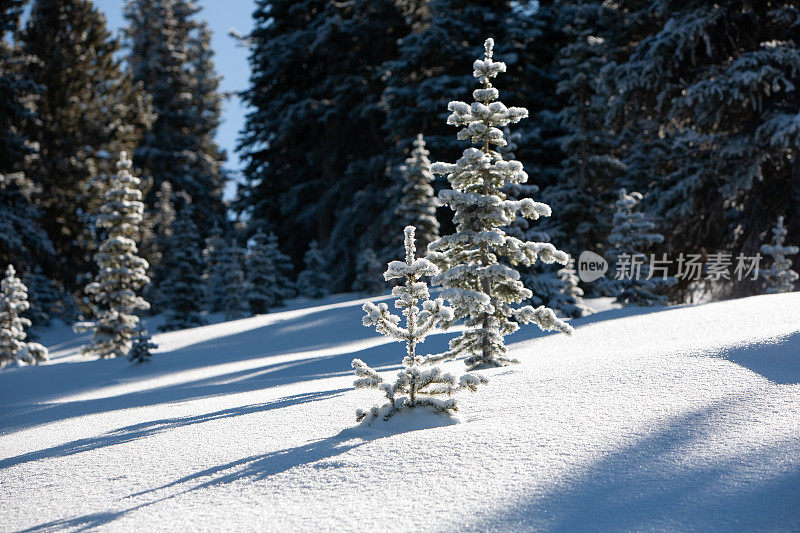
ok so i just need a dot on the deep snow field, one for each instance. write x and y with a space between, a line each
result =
645 419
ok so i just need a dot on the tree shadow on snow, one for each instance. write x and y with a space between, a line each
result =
329 329
532 332
778 360
280 338
258 467
79 523
154 427
656 484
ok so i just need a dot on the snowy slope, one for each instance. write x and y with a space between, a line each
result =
644 419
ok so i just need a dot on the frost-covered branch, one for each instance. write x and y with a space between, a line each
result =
415 385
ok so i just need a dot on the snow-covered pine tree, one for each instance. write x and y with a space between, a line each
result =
323 68
418 203
141 351
477 260
590 167
571 303
208 102
183 286
224 278
15 90
170 56
23 241
631 237
779 277
416 385
368 270
268 273
716 83
13 303
43 297
121 272
313 281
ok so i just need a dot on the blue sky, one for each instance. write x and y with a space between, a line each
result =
231 60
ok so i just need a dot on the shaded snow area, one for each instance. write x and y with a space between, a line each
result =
667 419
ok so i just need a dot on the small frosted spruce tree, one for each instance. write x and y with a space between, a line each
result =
182 288
416 385
477 261
14 302
121 272
418 203
571 301
268 271
368 269
631 237
142 348
779 276
225 279
44 299
314 281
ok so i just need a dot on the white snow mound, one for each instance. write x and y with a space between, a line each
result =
682 418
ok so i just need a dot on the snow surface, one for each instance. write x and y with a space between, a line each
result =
680 418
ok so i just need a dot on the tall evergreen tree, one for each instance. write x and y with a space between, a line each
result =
22 238
170 56
717 83
590 168
477 260
429 68
183 287
16 89
315 151
161 226
121 271
85 109
779 276
268 273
